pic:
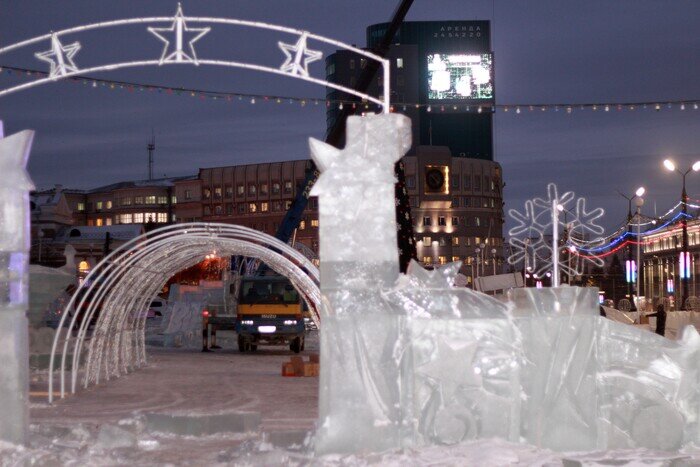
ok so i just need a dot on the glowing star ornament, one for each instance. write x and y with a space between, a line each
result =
298 57
175 53
535 237
60 57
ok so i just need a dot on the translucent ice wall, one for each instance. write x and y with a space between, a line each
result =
15 185
409 360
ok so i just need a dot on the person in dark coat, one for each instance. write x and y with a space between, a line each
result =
660 320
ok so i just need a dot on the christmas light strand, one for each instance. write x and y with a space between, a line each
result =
252 98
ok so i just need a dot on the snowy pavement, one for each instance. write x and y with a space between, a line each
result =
110 425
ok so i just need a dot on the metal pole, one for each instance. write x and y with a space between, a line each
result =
639 256
555 243
684 247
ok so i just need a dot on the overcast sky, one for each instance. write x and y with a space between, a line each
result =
545 52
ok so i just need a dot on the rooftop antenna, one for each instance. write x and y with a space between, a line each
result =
151 148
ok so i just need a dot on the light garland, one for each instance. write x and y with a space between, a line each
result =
340 104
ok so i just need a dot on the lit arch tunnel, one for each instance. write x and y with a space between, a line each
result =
126 280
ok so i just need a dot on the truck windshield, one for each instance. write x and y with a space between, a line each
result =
268 292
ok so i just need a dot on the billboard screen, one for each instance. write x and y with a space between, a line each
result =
460 76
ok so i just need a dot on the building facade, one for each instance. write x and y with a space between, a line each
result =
442 79
661 262
254 195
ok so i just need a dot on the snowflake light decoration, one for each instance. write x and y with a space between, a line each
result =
535 239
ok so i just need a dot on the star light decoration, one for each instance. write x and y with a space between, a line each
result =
60 57
298 57
535 237
175 53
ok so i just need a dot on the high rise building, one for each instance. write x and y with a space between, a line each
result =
442 78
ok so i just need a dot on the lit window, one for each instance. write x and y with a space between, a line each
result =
138 218
138 200
441 220
162 217
108 221
150 216
252 207
302 225
287 187
426 220
81 207
455 258
314 222
275 188
217 192
427 241
442 259
125 219
252 190
108 204
477 240
98 205
83 266
455 241
287 205
427 259
152 199
399 62
442 241
264 207
164 199
477 221
240 190
173 199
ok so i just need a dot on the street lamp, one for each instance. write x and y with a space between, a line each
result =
493 258
637 196
671 167
639 202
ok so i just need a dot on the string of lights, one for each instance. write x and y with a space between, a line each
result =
684 104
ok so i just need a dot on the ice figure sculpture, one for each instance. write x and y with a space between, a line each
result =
409 360
15 185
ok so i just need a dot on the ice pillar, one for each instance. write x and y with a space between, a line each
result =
359 402
15 186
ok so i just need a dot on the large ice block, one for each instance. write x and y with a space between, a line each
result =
15 185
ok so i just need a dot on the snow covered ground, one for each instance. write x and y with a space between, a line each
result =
109 424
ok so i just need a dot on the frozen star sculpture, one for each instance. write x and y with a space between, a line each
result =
173 52
60 57
535 237
298 57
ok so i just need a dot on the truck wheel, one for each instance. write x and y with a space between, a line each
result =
295 346
241 344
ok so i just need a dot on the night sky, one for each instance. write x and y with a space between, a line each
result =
555 51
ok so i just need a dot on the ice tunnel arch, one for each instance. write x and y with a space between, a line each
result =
125 281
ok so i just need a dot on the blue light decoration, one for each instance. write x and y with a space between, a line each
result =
669 285
631 271
684 265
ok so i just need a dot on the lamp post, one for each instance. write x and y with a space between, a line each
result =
493 258
639 202
684 257
628 267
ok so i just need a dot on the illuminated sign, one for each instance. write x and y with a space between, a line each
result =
460 77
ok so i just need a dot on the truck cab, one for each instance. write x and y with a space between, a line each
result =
269 312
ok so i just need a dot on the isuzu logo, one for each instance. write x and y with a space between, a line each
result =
268 316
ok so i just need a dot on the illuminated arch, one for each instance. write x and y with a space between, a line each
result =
61 56
129 277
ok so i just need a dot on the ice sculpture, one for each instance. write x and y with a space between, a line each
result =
409 360
15 185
